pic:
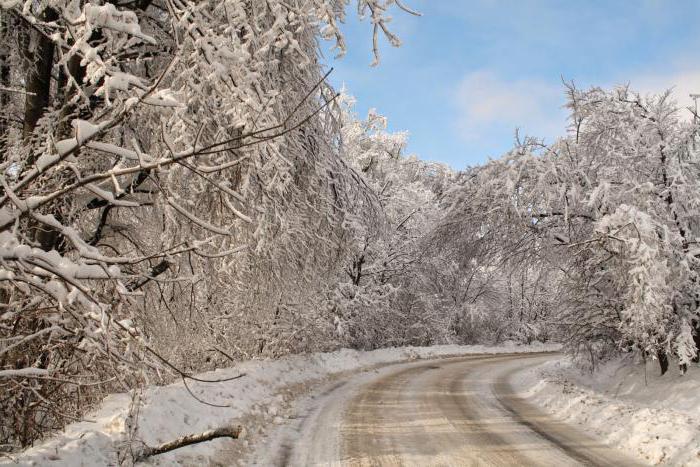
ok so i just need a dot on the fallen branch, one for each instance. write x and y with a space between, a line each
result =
18 91
224 432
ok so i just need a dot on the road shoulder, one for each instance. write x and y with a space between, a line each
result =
654 419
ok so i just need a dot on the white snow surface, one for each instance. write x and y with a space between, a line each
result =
169 412
626 403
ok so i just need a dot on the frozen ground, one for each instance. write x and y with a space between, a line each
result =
656 418
259 400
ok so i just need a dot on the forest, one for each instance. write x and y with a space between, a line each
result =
182 189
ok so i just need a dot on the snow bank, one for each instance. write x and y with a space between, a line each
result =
655 418
169 412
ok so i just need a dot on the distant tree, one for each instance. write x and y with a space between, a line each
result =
383 301
609 213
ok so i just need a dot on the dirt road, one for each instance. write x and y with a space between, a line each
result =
448 412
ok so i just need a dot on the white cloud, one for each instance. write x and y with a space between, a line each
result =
489 105
682 81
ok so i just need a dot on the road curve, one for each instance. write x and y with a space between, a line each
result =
448 412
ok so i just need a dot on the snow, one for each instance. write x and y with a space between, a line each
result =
65 146
202 223
46 160
7 4
119 81
29 372
118 151
109 196
656 418
84 130
163 98
108 17
168 412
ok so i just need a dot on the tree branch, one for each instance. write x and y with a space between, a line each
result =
223 432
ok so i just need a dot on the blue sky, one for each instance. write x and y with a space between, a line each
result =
470 71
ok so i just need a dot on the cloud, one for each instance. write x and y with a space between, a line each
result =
490 106
682 82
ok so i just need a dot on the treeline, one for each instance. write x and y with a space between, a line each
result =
602 226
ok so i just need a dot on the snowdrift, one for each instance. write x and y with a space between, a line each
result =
169 412
655 418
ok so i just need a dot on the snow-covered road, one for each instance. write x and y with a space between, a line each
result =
451 411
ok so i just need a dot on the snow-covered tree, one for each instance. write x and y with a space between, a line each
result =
610 213
168 166
382 301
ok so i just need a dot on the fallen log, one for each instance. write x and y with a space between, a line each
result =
223 432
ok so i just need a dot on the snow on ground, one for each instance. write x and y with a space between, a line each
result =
260 397
656 418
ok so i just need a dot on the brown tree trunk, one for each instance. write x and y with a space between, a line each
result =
5 101
696 336
40 52
663 361
66 92
4 81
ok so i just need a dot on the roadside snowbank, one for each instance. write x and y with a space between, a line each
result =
655 418
169 412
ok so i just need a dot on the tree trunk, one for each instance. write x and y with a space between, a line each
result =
39 51
4 81
663 361
696 338
38 81
66 92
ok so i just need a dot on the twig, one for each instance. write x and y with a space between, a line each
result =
18 91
